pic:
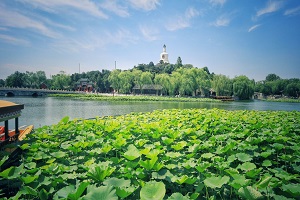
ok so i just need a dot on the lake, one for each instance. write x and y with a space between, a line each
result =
50 110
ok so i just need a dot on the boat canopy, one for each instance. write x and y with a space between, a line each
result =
9 110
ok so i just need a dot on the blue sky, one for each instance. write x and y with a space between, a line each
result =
230 37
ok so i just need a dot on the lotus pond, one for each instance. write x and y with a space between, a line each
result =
164 154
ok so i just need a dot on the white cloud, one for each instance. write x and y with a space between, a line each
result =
9 18
93 41
112 6
293 11
217 2
221 21
146 5
182 21
272 6
13 40
149 33
252 28
86 6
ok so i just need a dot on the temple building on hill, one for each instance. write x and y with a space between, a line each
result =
164 56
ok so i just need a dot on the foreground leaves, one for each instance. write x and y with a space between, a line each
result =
165 154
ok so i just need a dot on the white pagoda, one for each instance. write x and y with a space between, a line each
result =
164 55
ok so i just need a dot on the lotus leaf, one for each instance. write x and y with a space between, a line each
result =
153 190
132 153
12 172
101 171
250 193
267 163
116 182
292 188
247 166
173 154
148 164
43 194
100 193
203 166
264 182
177 196
125 191
207 155
243 157
216 181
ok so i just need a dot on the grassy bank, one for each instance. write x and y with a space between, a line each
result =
166 154
132 98
283 100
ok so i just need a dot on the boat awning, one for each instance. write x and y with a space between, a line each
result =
9 110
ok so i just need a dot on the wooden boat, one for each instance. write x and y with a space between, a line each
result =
23 131
9 139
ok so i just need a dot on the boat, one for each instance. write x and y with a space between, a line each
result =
9 139
23 131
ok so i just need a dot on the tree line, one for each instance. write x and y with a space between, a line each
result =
174 79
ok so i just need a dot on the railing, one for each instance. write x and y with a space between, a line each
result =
38 90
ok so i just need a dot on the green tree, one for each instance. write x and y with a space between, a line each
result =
188 84
35 79
175 83
126 81
137 78
178 62
2 83
164 81
102 81
114 79
146 78
222 85
61 81
272 77
16 79
243 87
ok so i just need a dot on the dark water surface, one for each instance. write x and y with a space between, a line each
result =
50 110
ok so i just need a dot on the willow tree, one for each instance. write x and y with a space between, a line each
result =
164 81
222 85
243 87
114 79
126 81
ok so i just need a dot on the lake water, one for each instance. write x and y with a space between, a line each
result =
50 110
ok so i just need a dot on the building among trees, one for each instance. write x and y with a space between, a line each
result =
84 85
164 55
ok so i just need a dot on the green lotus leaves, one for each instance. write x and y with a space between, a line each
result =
216 181
100 172
247 166
267 163
264 182
149 163
178 196
132 153
294 189
100 193
164 154
153 190
250 193
243 157
207 155
72 192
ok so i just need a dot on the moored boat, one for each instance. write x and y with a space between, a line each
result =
9 139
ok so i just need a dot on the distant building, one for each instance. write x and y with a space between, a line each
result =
148 89
84 85
164 57
43 86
